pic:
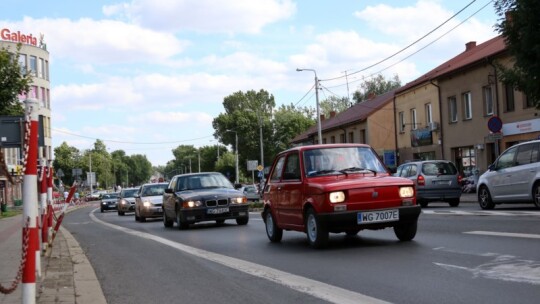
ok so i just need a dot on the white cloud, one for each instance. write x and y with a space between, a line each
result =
158 118
244 16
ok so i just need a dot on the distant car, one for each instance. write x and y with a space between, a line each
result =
336 188
108 201
126 200
436 180
251 192
513 178
149 200
199 197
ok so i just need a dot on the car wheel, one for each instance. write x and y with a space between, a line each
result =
423 204
316 232
274 233
166 222
142 218
121 213
101 210
220 222
454 202
242 220
181 224
137 218
484 198
406 232
536 195
352 232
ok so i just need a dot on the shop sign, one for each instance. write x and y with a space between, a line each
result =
521 127
18 37
421 137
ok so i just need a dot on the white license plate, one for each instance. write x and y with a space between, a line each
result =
379 216
218 210
159 210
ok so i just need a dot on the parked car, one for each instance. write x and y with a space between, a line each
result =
336 188
109 201
436 180
126 200
513 178
198 197
251 192
149 201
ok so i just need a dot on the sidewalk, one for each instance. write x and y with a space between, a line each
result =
66 273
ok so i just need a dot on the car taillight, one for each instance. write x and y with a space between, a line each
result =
459 179
421 181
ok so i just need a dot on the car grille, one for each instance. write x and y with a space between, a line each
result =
215 203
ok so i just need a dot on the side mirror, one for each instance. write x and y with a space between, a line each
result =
237 186
168 190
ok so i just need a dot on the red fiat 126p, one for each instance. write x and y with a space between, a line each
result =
336 188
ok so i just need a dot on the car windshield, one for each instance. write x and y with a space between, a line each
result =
109 195
250 189
203 181
341 160
153 190
130 192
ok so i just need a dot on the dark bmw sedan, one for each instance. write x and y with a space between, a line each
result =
199 197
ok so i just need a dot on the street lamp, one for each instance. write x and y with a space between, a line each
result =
317 100
236 140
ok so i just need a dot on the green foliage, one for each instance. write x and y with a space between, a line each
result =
12 83
289 122
376 86
334 104
519 23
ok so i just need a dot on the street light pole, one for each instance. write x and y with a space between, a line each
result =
317 100
236 141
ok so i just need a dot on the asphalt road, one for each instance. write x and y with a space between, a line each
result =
460 255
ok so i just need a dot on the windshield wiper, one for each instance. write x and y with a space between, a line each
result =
357 169
320 172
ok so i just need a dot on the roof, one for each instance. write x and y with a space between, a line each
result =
472 54
358 112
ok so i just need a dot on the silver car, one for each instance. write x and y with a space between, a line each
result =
149 201
126 200
513 178
436 180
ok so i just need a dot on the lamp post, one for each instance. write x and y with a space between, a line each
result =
317 100
236 147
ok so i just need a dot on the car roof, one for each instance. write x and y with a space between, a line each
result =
324 146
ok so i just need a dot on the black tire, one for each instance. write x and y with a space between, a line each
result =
242 220
220 222
121 213
406 232
317 234
166 221
423 204
274 233
536 194
454 202
137 218
353 232
101 210
181 224
142 219
484 198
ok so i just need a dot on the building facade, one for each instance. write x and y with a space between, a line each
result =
33 59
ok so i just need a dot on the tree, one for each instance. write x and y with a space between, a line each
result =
375 86
519 25
66 160
289 122
334 104
12 82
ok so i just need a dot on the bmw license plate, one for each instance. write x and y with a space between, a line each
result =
218 210
379 216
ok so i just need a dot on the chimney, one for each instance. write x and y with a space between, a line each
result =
332 114
322 117
470 45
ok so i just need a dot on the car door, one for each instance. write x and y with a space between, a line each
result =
523 172
168 198
272 191
501 179
290 194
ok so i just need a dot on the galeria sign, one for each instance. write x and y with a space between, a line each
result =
6 34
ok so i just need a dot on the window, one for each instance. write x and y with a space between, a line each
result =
401 122
276 174
41 67
509 104
351 137
33 65
363 139
429 114
527 154
488 100
452 109
333 139
46 70
22 63
341 138
467 105
292 167
506 160
43 98
528 102
413 119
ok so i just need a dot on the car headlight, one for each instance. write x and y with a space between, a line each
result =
406 192
191 204
337 197
239 200
147 204
123 202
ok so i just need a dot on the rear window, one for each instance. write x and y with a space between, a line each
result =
439 168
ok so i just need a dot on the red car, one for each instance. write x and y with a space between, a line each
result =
336 188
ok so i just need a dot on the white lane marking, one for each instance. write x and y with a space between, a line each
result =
311 287
481 212
506 234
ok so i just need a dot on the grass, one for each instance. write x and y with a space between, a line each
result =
10 212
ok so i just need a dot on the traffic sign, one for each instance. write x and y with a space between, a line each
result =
260 168
495 124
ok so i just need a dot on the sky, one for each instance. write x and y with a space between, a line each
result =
146 76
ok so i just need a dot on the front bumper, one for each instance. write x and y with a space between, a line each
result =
437 194
152 211
202 214
126 207
343 221
108 205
